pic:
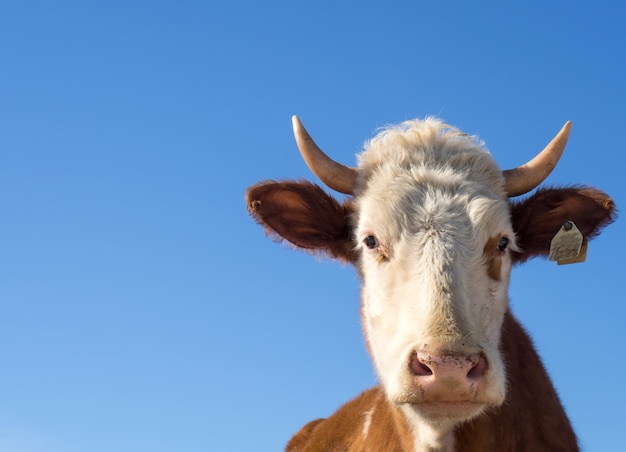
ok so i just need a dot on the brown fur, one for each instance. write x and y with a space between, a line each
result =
531 417
343 431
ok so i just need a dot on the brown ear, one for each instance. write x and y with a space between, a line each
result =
303 214
539 217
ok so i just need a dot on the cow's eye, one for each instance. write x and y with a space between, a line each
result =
371 242
503 243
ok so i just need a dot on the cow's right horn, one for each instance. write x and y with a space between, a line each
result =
526 177
335 175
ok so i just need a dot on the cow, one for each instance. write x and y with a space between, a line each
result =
431 230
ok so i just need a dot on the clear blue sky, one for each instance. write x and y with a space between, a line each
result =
141 309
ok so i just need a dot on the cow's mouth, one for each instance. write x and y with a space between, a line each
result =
453 411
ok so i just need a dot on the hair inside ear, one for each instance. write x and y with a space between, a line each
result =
304 215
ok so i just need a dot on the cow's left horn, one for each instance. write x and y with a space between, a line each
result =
335 175
524 178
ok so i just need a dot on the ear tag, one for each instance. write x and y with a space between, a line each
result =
567 245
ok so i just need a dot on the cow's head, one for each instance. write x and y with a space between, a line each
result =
433 236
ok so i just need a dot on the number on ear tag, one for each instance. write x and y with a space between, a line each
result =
582 256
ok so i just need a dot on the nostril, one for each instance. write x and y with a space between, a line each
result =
479 369
419 368
471 368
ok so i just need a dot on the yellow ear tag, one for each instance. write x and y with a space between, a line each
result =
568 245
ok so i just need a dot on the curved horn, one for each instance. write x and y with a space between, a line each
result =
524 178
335 175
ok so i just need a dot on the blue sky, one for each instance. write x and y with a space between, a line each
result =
142 309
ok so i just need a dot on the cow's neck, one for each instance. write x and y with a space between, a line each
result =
423 437
430 439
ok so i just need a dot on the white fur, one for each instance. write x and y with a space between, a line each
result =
367 421
433 197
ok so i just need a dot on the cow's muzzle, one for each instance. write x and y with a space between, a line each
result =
449 377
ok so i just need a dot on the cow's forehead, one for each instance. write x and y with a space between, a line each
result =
427 175
430 154
469 218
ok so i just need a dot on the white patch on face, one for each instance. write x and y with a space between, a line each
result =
434 204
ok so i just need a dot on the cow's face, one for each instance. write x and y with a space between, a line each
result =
434 237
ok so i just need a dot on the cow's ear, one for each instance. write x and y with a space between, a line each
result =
304 215
538 218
